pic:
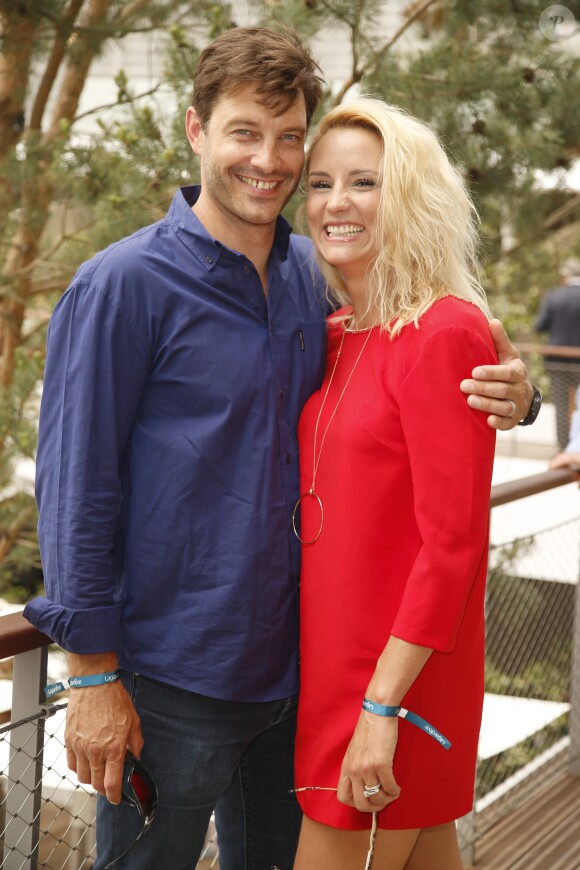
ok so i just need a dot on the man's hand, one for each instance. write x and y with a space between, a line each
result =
504 391
101 723
566 460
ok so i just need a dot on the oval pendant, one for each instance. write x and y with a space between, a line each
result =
309 494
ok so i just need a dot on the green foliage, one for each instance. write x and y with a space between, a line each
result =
305 16
529 630
529 646
492 772
501 96
544 680
20 571
218 17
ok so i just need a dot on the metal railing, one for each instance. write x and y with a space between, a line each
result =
531 722
48 817
532 685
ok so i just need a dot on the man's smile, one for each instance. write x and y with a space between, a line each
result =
257 183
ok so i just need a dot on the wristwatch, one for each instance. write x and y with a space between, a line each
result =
534 409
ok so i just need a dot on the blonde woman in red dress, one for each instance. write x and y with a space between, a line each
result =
393 516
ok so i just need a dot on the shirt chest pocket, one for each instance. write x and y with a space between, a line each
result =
309 358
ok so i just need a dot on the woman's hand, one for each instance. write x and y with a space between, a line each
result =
369 761
369 757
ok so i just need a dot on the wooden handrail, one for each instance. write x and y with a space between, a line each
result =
563 350
512 490
17 635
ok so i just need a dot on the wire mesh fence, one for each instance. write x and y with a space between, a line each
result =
530 609
47 817
564 379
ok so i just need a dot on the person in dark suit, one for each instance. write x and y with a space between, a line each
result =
559 316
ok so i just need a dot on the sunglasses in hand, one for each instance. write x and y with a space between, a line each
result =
139 791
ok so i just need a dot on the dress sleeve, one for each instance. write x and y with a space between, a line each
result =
96 370
450 449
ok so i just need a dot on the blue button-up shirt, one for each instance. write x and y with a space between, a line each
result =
167 461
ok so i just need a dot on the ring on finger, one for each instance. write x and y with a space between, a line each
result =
371 790
513 404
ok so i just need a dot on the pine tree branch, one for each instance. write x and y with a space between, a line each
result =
557 215
63 31
129 13
77 69
563 212
40 288
15 60
36 196
132 10
47 287
7 500
338 16
85 51
359 72
106 106
45 258
39 327
35 289
54 285
21 255
11 534
43 288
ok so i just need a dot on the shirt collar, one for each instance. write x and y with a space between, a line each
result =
203 245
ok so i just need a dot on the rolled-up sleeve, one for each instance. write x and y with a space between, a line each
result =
97 367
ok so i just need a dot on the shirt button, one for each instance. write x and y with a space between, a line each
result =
209 259
282 394
289 458
246 269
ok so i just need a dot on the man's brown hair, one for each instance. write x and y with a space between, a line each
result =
274 62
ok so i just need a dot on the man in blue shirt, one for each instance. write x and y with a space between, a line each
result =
177 365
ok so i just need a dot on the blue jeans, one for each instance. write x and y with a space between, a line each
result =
203 754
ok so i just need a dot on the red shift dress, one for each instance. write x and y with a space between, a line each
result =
404 479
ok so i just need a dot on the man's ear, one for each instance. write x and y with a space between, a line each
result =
194 130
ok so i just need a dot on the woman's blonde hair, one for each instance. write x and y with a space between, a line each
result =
426 225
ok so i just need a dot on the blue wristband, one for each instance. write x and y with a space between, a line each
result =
392 712
81 682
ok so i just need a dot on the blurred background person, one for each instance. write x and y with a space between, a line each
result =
570 456
559 316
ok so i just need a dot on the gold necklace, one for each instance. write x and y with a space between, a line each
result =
351 327
311 493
